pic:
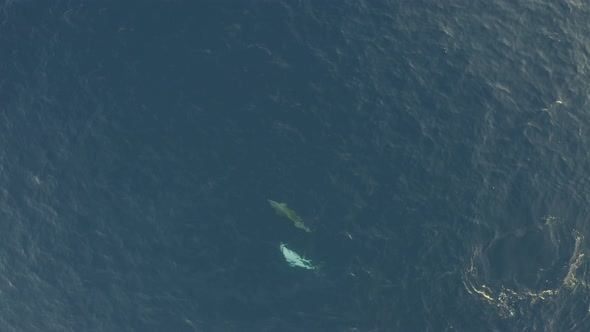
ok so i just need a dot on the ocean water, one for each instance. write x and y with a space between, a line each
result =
438 153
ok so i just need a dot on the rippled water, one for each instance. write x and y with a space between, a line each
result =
437 154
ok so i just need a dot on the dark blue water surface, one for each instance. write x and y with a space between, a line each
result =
437 151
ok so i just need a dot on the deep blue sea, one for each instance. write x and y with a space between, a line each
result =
438 152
